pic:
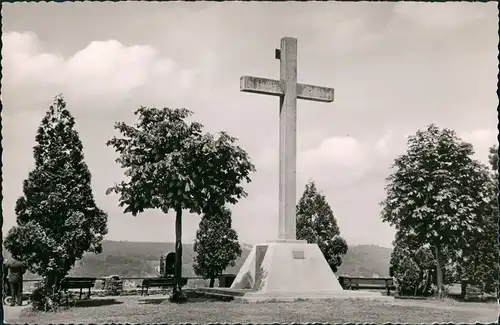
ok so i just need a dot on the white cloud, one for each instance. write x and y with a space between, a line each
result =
431 16
341 159
482 140
23 63
109 66
480 136
103 67
343 151
382 146
337 161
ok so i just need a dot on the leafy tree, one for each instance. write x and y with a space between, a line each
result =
317 224
477 263
480 261
216 245
57 217
412 265
418 276
438 192
493 159
405 271
171 164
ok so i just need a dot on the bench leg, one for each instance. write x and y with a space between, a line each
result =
81 293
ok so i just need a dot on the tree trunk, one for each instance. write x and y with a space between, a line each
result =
177 294
52 282
420 284
463 284
212 282
427 281
463 289
439 272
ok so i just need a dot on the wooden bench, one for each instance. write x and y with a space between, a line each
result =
162 282
356 283
469 289
78 283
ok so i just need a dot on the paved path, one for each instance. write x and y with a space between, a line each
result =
11 314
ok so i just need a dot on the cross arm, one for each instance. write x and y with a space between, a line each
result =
315 93
261 86
276 88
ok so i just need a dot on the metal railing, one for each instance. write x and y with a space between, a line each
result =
29 284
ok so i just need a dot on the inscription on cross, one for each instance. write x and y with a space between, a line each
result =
288 90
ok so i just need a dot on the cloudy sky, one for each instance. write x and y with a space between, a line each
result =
395 67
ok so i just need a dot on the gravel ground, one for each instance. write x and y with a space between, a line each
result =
128 310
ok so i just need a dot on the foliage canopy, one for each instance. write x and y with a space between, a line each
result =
216 245
440 196
57 217
317 224
171 164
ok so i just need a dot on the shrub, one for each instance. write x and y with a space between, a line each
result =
41 300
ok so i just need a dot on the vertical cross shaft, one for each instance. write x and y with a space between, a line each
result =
288 90
288 139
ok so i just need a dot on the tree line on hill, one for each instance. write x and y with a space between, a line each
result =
139 259
436 193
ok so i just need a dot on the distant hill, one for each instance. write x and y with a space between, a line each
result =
366 260
139 259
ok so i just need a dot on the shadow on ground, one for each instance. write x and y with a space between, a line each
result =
190 301
96 302
193 297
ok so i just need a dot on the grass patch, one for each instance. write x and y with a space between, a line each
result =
333 311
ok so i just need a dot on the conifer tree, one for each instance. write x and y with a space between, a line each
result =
216 245
57 217
317 225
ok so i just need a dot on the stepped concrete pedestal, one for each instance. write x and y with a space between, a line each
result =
289 270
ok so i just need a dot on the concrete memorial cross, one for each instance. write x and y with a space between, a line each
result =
288 268
288 90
